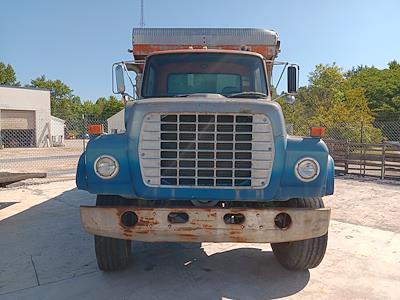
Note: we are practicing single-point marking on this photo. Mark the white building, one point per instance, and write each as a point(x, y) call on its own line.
point(57, 129)
point(25, 119)
point(116, 123)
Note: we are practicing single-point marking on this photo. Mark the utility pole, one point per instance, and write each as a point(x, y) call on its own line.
point(141, 14)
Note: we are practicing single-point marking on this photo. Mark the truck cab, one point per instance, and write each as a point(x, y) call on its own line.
point(205, 156)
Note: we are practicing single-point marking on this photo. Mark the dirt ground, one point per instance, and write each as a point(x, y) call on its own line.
point(46, 255)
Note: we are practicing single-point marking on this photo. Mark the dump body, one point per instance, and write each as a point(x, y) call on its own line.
point(146, 41)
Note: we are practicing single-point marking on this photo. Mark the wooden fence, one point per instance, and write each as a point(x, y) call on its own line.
point(380, 160)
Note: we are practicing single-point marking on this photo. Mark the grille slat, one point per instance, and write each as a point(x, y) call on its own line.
point(207, 150)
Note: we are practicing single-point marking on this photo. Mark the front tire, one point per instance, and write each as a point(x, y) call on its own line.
point(111, 254)
point(305, 254)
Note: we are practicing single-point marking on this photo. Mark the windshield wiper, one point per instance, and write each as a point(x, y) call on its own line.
point(196, 94)
point(248, 95)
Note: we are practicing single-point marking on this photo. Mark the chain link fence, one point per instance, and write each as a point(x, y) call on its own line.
point(359, 148)
point(51, 146)
point(358, 132)
point(54, 146)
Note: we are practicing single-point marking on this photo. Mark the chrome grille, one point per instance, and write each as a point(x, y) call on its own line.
point(206, 150)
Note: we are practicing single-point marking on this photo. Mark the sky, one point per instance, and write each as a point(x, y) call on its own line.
point(77, 41)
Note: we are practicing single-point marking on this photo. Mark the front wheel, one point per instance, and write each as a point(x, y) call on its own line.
point(111, 254)
point(305, 254)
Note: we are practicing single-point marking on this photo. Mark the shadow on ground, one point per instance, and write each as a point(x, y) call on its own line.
point(45, 254)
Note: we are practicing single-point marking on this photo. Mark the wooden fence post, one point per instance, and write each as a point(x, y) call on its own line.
point(383, 161)
point(364, 158)
point(346, 164)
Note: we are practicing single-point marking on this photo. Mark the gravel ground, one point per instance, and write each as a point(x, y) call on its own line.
point(367, 202)
point(49, 160)
point(46, 255)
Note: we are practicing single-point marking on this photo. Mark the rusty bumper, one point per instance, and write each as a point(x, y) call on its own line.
point(206, 224)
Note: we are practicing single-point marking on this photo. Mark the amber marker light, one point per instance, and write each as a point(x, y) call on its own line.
point(317, 132)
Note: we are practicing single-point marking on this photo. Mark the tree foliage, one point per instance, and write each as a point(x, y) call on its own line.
point(331, 101)
point(7, 75)
point(103, 108)
point(381, 87)
point(64, 104)
point(67, 106)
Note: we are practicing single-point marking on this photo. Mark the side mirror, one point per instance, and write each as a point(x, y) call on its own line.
point(119, 77)
point(292, 79)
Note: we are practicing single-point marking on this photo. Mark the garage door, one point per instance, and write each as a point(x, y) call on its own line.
point(17, 128)
point(17, 119)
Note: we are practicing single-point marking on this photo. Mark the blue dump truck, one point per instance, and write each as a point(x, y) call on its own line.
point(205, 156)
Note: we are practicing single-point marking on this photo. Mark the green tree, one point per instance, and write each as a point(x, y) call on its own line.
point(64, 104)
point(58, 89)
point(103, 108)
point(330, 101)
point(382, 88)
point(111, 107)
point(7, 75)
point(89, 108)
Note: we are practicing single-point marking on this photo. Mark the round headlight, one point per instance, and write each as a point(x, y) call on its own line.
point(106, 167)
point(307, 169)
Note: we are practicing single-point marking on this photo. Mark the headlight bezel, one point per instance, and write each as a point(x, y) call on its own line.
point(116, 171)
point(307, 159)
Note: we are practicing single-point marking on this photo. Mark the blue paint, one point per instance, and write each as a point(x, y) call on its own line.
point(283, 183)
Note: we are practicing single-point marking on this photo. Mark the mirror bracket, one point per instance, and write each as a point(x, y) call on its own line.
point(290, 98)
point(125, 67)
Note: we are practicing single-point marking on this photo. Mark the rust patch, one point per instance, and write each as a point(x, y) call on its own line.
point(146, 221)
point(128, 233)
point(142, 231)
point(233, 232)
point(280, 209)
point(188, 236)
point(208, 226)
point(239, 239)
point(121, 210)
point(186, 228)
point(126, 230)
point(237, 236)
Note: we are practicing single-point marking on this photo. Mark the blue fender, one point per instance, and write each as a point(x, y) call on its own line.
point(81, 177)
point(330, 179)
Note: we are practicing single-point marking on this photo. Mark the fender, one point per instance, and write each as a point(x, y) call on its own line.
point(330, 179)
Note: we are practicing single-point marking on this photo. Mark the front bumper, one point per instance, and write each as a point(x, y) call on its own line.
point(206, 224)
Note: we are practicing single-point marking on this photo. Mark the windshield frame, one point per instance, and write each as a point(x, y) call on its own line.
point(146, 72)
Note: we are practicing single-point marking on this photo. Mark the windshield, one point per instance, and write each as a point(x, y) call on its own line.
point(181, 74)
